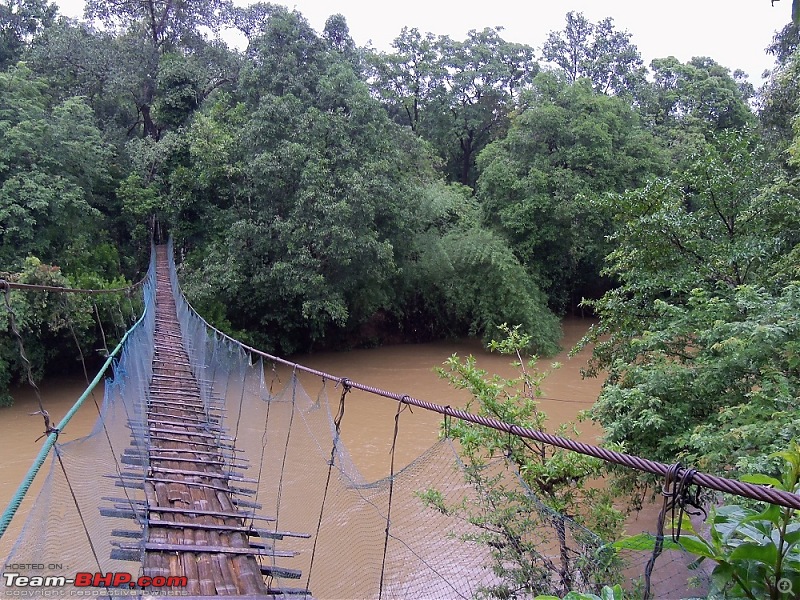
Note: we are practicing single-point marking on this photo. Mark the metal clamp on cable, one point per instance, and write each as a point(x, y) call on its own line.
point(48, 428)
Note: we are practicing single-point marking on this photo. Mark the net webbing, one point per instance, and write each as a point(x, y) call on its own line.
point(287, 437)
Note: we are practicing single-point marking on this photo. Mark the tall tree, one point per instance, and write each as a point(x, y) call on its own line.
point(455, 94)
point(409, 79)
point(597, 52)
point(485, 74)
point(700, 339)
point(311, 183)
point(567, 146)
point(53, 162)
point(143, 33)
point(169, 24)
point(779, 99)
point(20, 21)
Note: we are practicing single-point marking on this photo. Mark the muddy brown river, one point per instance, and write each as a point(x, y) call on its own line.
point(368, 423)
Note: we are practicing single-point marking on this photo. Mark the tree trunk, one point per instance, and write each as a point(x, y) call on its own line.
point(150, 129)
point(466, 158)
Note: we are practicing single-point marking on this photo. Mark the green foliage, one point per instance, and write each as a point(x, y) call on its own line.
point(699, 340)
point(462, 278)
point(38, 317)
point(779, 97)
point(524, 527)
point(597, 52)
point(756, 549)
point(53, 162)
point(607, 593)
point(302, 179)
point(166, 24)
point(688, 103)
point(567, 146)
point(456, 95)
point(20, 22)
point(306, 183)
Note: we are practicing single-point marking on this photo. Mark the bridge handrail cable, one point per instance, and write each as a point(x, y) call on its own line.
point(720, 484)
point(51, 438)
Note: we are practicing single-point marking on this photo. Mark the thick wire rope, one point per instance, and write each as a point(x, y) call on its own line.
point(337, 423)
point(720, 484)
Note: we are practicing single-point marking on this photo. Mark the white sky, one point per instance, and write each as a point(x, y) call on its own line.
point(732, 32)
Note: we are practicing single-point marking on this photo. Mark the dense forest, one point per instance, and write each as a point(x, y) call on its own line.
point(322, 194)
point(325, 195)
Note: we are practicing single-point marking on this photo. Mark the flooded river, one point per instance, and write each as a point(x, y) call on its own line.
point(368, 423)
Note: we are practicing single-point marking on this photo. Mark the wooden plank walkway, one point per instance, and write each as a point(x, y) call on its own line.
point(195, 526)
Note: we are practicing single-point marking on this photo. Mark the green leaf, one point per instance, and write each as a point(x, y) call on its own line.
point(614, 593)
point(696, 546)
point(762, 480)
point(644, 541)
point(766, 554)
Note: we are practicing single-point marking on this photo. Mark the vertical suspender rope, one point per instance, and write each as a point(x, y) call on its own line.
point(286, 449)
point(400, 408)
point(264, 441)
point(337, 422)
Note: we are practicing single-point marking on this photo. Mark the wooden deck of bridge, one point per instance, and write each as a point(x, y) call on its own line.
point(194, 490)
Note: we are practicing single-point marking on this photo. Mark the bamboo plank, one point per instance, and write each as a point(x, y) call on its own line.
point(201, 461)
point(197, 548)
point(208, 474)
point(212, 513)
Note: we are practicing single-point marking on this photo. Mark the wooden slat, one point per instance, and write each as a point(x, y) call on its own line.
point(164, 547)
point(185, 415)
point(161, 438)
point(205, 426)
point(275, 571)
point(220, 514)
point(191, 434)
point(211, 463)
point(125, 533)
point(278, 535)
point(210, 486)
point(208, 474)
point(219, 453)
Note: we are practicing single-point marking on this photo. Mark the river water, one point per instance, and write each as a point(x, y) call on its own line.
point(409, 369)
point(369, 420)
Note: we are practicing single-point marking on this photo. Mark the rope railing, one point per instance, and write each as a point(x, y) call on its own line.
point(31, 287)
point(52, 435)
point(713, 482)
point(11, 510)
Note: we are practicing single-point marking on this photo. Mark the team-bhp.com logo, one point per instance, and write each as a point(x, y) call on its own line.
point(93, 580)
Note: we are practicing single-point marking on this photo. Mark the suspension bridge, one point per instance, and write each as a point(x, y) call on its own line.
point(209, 476)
